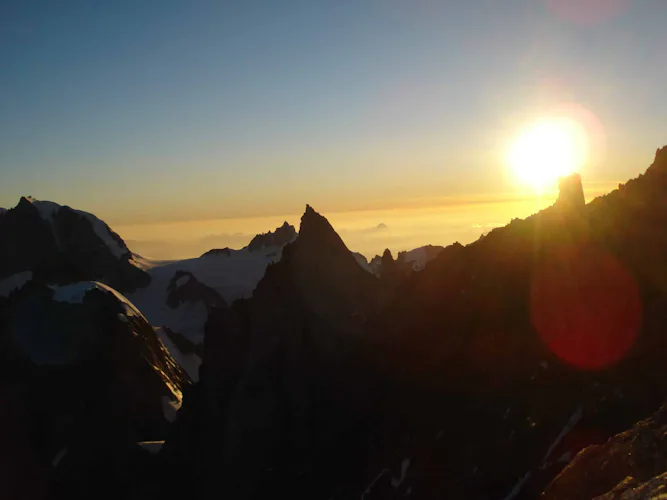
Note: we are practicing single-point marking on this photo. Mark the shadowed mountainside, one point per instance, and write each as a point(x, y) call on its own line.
point(533, 342)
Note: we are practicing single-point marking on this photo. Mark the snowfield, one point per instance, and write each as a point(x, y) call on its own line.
point(14, 282)
point(233, 276)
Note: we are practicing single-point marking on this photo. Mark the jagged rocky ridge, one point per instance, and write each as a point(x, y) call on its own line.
point(458, 382)
point(631, 465)
point(468, 379)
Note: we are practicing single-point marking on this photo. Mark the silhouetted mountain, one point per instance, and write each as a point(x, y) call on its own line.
point(479, 377)
point(62, 245)
point(281, 383)
point(473, 371)
point(280, 237)
point(83, 379)
point(571, 196)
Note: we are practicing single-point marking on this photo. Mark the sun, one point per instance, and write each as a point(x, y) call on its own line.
point(545, 151)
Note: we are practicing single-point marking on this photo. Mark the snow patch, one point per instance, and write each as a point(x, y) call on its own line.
point(59, 456)
point(72, 294)
point(572, 421)
point(189, 362)
point(182, 280)
point(417, 257)
point(517, 487)
point(369, 488)
point(152, 447)
point(104, 233)
point(170, 408)
point(396, 482)
point(14, 282)
point(76, 292)
point(48, 210)
point(233, 277)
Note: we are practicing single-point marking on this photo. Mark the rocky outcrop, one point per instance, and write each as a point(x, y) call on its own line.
point(185, 287)
point(280, 237)
point(406, 261)
point(224, 252)
point(630, 489)
point(571, 195)
point(618, 468)
point(62, 245)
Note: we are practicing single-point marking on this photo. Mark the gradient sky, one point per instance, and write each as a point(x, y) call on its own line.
point(160, 111)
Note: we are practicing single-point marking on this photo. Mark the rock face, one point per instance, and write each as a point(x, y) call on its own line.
point(273, 406)
point(226, 252)
point(184, 287)
point(83, 378)
point(622, 468)
point(478, 377)
point(280, 237)
point(406, 262)
point(571, 195)
point(61, 245)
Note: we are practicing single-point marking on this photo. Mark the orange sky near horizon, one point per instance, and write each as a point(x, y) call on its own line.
point(366, 231)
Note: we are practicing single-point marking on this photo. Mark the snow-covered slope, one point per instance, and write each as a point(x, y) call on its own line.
point(49, 209)
point(233, 274)
point(419, 257)
point(411, 260)
point(59, 244)
point(14, 282)
point(189, 361)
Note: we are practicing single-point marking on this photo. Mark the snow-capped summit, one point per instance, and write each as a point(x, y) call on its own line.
point(49, 210)
point(59, 244)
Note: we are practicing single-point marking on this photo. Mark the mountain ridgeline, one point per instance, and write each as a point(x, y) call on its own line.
point(295, 368)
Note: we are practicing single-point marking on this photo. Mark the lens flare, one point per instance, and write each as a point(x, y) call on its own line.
point(587, 12)
point(547, 150)
point(585, 306)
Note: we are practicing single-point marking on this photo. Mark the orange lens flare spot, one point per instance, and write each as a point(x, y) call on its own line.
point(585, 306)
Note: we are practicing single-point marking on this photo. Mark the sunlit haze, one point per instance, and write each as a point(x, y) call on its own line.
point(430, 120)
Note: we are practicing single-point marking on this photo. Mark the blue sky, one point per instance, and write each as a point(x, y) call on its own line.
point(166, 110)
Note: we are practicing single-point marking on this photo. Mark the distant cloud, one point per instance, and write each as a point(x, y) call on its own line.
point(376, 229)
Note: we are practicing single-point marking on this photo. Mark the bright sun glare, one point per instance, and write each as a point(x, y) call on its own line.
point(547, 150)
